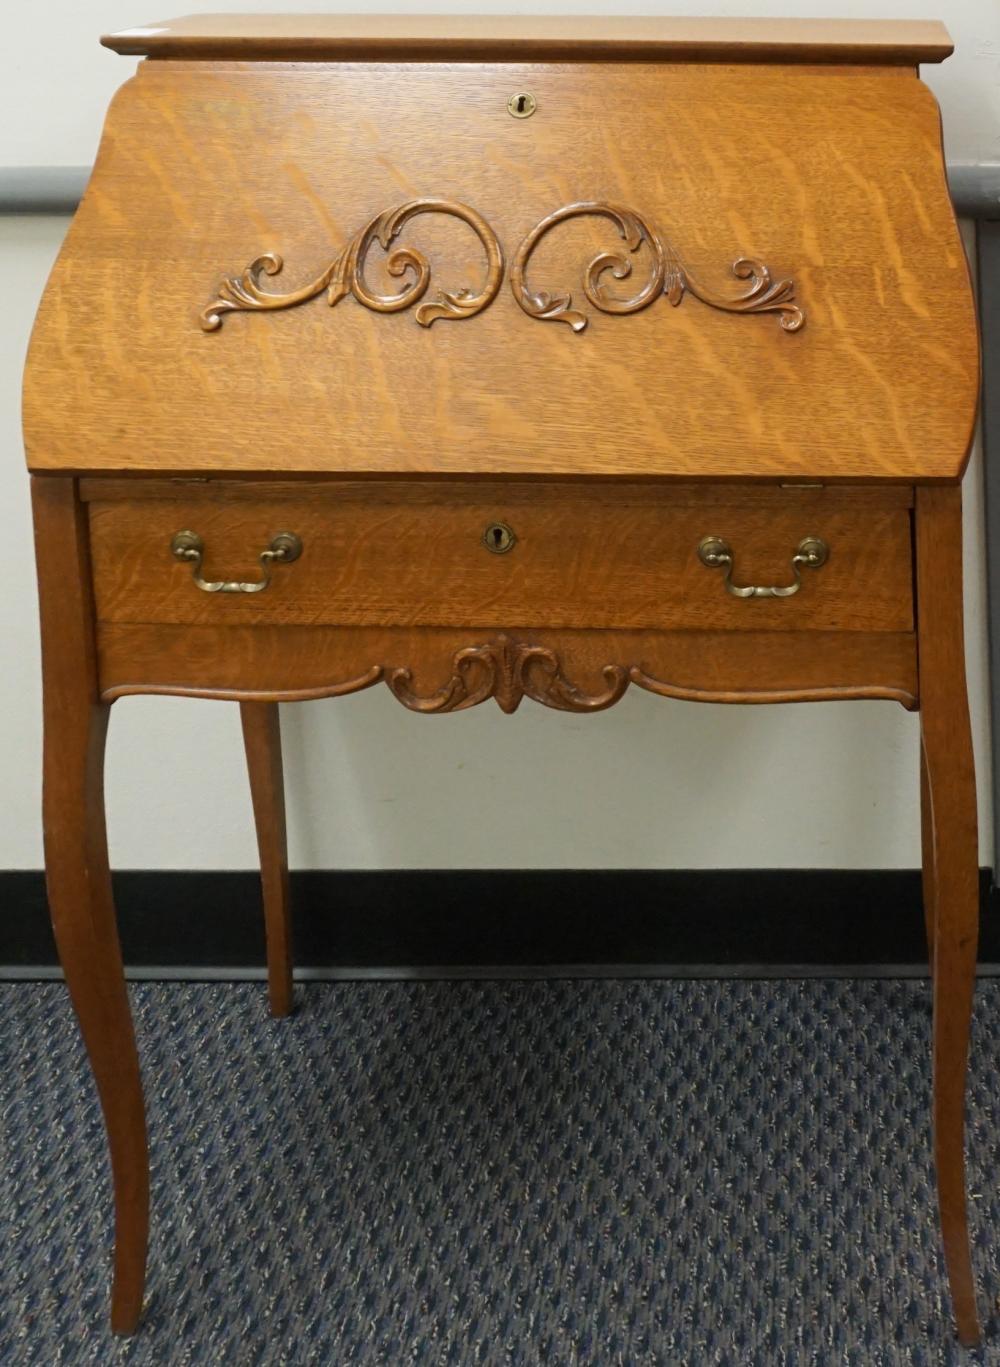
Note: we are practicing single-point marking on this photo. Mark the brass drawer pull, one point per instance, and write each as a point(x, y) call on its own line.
point(282, 550)
point(718, 554)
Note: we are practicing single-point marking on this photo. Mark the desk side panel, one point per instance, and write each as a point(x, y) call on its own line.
point(830, 176)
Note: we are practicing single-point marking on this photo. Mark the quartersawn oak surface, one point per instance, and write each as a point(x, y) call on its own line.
point(831, 175)
point(543, 37)
point(295, 663)
point(575, 563)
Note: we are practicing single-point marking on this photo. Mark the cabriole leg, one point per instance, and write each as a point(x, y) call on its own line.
point(951, 842)
point(77, 873)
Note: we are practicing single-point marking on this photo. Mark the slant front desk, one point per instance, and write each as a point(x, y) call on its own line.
point(490, 359)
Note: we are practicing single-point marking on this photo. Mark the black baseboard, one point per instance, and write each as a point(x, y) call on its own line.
point(414, 922)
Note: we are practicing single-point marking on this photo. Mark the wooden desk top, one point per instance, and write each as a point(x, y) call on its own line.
point(489, 37)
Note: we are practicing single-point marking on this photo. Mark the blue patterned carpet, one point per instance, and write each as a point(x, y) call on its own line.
point(589, 1172)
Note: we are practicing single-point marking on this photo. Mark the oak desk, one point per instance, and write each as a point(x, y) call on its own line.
point(492, 358)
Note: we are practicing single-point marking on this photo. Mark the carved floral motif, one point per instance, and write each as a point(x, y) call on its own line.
point(345, 274)
point(667, 276)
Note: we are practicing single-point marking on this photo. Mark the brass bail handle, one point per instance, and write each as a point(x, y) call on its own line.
point(282, 549)
point(715, 553)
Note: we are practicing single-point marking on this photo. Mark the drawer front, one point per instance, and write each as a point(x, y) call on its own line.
point(596, 560)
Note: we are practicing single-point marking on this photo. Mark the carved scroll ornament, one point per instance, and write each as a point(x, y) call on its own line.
point(667, 275)
point(508, 671)
point(345, 273)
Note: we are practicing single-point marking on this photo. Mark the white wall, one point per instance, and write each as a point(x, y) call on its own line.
point(650, 783)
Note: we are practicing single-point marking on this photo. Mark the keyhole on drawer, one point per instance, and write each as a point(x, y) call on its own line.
point(522, 105)
point(499, 538)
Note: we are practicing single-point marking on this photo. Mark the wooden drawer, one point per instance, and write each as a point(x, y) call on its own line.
point(414, 555)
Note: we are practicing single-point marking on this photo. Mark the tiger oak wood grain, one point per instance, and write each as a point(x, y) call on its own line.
point(881, 382)
point(294, 663)
point(572, 566)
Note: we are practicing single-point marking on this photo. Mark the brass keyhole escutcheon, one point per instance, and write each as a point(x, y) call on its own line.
point(522, 104)
point(499, 538)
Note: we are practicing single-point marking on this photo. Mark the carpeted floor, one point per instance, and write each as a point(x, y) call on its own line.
point(588, 1172)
